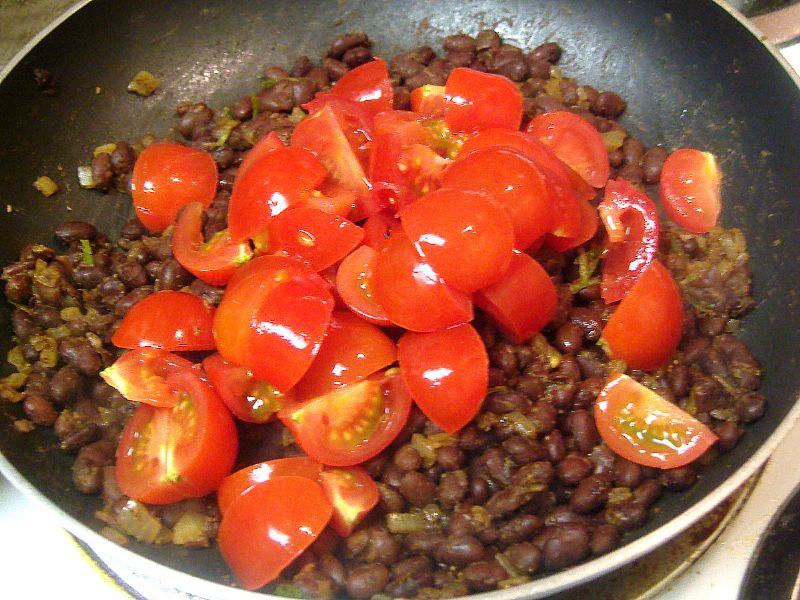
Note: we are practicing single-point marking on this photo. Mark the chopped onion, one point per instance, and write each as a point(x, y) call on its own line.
point(85, 177)
point(405, 522)
point(46, 186)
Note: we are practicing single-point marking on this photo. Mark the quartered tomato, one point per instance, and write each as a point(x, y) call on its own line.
point(690, 189)
point(355, 287)
point(317, 238)
point(175, 321)
point(447, 373)
point(522, 302)
point(476, 100)
point(646, 328)
point(576, 142)
point(272, 319)
point(236, 484)
point(379, 228)
point(213, 261)
point(352, 493)
point(369, 85)
point(465, 237)
point(141, 376)
point(589, 224)
point(333, 199)
point(279, 179)
point(351, 424)
point(413, 295)
point(271, 524)
point(428, 100)
point(262, 147)
point(644, 428)
point(353, 118)
point(246, 397)
point(168, 176)
point(169, 454)
point(631, 222)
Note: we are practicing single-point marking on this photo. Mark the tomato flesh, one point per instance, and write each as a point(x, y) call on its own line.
point(369, 85)
point(428, 100)
point(355, 287)
point(644, 428)
point(262, 147)
point(588, 229)
point(352, 493)
point(690, 189)
point(476, 100)
point(140, 375)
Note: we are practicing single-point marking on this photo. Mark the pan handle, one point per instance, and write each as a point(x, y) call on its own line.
point(781, 26)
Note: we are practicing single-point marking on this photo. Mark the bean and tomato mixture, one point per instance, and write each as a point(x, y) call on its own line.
point(432, 297)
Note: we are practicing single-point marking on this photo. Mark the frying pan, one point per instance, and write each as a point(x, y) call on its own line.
point(693, 75)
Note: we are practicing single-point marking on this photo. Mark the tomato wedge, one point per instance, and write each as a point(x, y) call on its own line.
point(262, 147)
point(246, 397)
point(576, 142)
point(646, 328)
point(466, 238)
point(351, 424)
point(447, 373)
point(355, 287)
point(644, 428)
point(236, 484)
point(369, 85)
point(631, 222)
point(522, 302)
point(266, 527)
point(175, 321)
point(168, 176)
point(213, 261)
point(352, 350)
point(353, 117)
point(379, 228)
point(272, 319)
point(412, 293)
point(169, 454)
point(476, 100)
point(589, 224)
point(428, 100)
point(353, 494)
point(140, 375)
point(690, 189)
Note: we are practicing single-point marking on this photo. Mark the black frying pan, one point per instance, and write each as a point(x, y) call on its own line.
point(693, 75)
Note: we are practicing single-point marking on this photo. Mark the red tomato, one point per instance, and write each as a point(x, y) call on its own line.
point(379, 228)
point(168, 176)
point(140, 375)
point(522, 302)
point(272, 319)
point(169, 454)
point(279, 179)
point(236, 484)
point(428, 100)
point(589, 225)
point(475, 101)
point(631, 222)
point(644, 428)
point(266, 528)
point(354, 284)
point(246, 397)
point(646, 328)
point(369, 85)
point(353, 494)
point(512, 181)
point(333, 199)
point(690, 189)
point(351, 424)
point(412, 293)
point(576, 142)
point(353, 117)
point(213, 261)
point(468, 240)
point(175, 321)
point(264, 146)
point(352, 350)
point(317, 238)
point(447, 373)
point(423, 168)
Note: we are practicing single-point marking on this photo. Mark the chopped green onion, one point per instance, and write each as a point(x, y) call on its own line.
point(86, 248)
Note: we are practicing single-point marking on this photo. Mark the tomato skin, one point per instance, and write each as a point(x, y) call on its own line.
point(168, 176)
point(353, 118)
point(589, 226)
point(279, 179)
point(646, 328)
point(355, 287)
point(369, 85)
point(379, 228)
point(690, 189)
point(352, 493)
point(447, 373)
point(317, 238)
point(262, 147)
point(236, 484)
point(266, 528)
point(428, 100)
point(272, 319)
point(467, 239)
point(631, 222)
point(197, 435)
point(413, 295)
point(522, 302)
point(475, 101)
point(170, 320)
point(140, 375)
point(647, 429)
point(373, 411)
point(576, 142)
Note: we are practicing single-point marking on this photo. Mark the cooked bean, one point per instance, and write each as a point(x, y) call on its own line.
point(406, 458)
point(573, 468)
point(73, 231)
point(647, 492)
point(605, 538)
point(505, 402)
point(390, 500)
point(417, 489)
point(449, 458)
point(357, 56)
point(652, 162)
point(452, 488)
point(122, 159)
point(608, 104)
point(423, 542)
point(626, 473)
point(590, 494)
point(459, 551)
point(172, 276)
point(364, 581)
point(569, 338)
point(483, 575)
point(525, 557)
point(507, 500)
point(80, 354)
point(728, 434)
point(87, 470)
point(344, 42)
point(567, 545)
point(65, 384)
point(534, 475)
point(195, 117)
point(39, 410)
point(487, 39)
point(627, 516)
point(581, 425)
point(633, 173)
point(549, 52)
point(554, 443)
point(132, 274)
point(102, 173)
point(334, 69)
point(679, 478)
point(18, 288)
point(750, 407)
point(633, 151)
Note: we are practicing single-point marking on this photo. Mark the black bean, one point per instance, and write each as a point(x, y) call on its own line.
point(556, 448)
point(647, 492)
point(488, 39)
point(632, 150)
point(519, 528)
point(39, 410)
point(615, 158)
point(626, 516)
point(86, 277)
point(750, 407)
point(449, 458)
point(405, 65)
point(65, 384)
point(506, 401)
point(573, 468)
point(102, 173)
point(46, 316)
point(652, 162)
point(509, 63)
point(478, 490)
point(302, 65)
point(335, 69)
point(507, 500)
point(525, 557)
point(459, 42)
point(80, 354)
point(417, 489)
point(357, 56)
point(679, 478)
point(122, 159)
point(549, 52)
point(589, 320)
point(605, 538)
point(633, 173)
point(524, 449)
point(344, 42)
point(545, 103)
point(194, 118)
point(242, 109)
point(581, 425)
point(459, 551)
point(278, 98)
point(482, 576)
point(172, 276)
point(452, 488)
point(18, 288)
point(87, 470)
point(728, 433)
point(132, 274)
point(390, 500)
point(569, 338)
point(626, 473)
point(535, 475)
point(410, 573)
point(567, 545)
point(74, 430)
point(319, 77)
point(406, 458)
point(133, 230)
point(608, 104)
point(590, 494)
point(73, 231)
point(364, 581)
point(423, 542)
point(460, 59)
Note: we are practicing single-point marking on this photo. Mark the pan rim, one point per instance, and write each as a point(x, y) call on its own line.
point(538, 588)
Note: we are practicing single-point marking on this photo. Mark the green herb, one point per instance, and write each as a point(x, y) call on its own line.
point(254, 102)
point(587, 263)
point(288, 590)
point(86, 248)
point(226, 112)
